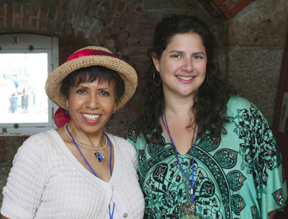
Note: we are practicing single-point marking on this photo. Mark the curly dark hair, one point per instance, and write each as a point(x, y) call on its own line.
point(211, 98)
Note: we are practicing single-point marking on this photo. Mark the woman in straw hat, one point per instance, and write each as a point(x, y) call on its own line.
point(78, 170)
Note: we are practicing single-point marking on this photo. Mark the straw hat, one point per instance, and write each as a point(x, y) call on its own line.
point(86, 57)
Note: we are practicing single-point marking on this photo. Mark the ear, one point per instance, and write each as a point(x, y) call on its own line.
point(114, 107)
point(156, 61)
point(67, 103)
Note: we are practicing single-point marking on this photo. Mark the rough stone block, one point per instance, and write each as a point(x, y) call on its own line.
point(260, 26)
point(237, 8)
point(253, 72)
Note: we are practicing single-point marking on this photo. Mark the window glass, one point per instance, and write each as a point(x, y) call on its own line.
point(22, 82)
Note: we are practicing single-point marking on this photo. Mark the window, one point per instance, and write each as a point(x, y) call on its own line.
point(25, 62)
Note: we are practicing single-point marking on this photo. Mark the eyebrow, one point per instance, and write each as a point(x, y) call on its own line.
point(178, 51)
point(85, 87)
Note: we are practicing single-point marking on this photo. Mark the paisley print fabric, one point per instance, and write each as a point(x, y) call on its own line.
point(236, 175)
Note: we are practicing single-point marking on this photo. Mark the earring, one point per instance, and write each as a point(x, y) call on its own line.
point(114, 114)
point(207, 77)
point(67, 111)
point(154, 75)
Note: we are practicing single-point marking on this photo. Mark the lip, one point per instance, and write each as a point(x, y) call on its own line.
point(91, 118)
point(185, 79)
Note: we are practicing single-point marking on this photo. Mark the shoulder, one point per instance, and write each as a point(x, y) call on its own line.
point(237, 101)
point(38, 144)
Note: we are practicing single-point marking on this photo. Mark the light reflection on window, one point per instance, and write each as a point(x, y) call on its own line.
point(22, 94)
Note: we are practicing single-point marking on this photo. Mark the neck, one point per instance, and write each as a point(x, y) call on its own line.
point(93, 140)
point(178, 106)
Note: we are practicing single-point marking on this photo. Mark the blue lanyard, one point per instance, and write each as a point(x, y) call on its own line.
point(85, 158)
point(110, 215)
point(191, 183)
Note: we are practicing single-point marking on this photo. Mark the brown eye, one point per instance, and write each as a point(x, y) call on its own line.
point(104, 93)
point(81, 91)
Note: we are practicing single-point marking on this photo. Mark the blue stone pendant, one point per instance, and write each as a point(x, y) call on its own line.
point(99, 156)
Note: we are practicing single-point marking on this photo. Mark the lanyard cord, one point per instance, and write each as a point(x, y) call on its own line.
point(191, 183)
point(111, 214)
point(85, 158)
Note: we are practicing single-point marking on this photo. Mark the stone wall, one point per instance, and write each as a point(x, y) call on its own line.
point(256, 42)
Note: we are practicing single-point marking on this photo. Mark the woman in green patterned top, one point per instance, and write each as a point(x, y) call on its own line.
point(203, 151)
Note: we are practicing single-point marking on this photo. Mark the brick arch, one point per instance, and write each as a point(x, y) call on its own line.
point(107, 23)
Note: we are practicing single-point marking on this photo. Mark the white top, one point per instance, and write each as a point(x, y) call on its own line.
point(47, 181)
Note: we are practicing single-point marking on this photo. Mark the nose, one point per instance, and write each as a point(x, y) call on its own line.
point(188, 65)
point(92, 101)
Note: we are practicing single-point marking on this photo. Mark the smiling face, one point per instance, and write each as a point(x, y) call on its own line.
point(182, 65)
point(91, 104)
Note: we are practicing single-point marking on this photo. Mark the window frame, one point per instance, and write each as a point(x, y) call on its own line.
point(40, 43)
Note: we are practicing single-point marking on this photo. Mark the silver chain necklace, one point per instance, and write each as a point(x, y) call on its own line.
point(95, 149)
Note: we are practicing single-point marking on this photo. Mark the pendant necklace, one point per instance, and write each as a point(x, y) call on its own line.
point(98, 155)
point(66, 127)
point(188, 208)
